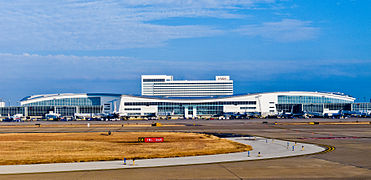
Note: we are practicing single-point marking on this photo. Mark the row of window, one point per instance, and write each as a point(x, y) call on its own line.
point(88, 101)
point(362, 107)
point(309, 100)
point(187, 93)
point(247, 107)
point(199, 86)
point(200, 83)
point(42, 110)
point(190, 91)
point(153, 80)
point(179, 110)
point(133, 114)
point(132, 109)
point(171, 89)
point(188, 104)
point(312, 107)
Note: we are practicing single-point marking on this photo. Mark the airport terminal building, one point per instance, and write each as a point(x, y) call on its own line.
point(164, 97)
point(126, 106)
point(68, 104)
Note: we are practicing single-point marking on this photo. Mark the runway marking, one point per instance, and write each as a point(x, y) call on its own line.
point(342, 137)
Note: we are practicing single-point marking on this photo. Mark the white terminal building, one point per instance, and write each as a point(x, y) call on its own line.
point(262, 103)
point(166, 86)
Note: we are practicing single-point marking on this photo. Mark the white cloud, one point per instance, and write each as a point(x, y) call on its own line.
point(286, 30)
point(65, 68)
point(107, 24)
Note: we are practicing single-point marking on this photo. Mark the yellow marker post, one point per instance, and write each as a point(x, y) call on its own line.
point(302, 148)
point(133, 162)
point(259, 154)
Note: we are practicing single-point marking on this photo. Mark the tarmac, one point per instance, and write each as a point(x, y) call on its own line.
point(263, 148)
point(350, 159)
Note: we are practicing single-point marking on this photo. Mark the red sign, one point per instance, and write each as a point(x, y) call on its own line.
point(151, 139)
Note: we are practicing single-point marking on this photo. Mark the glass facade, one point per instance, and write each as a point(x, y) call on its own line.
point(11, 111)
point(89, 101)
point(361, 107)
point(318, 108)
point(308, 100)
point(66, 110)
point(338, 106)
point(294, 108)
point(39, 110)
point(90, 109)
point(201, 109)
point(43, 110)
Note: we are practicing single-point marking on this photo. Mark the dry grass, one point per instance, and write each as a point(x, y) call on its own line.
point(31, 148)
point(85, 125)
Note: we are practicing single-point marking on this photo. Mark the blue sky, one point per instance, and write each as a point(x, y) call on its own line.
point(264, 45)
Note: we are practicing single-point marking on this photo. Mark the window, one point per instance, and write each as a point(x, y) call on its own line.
point(133, 114)
point(89, 101)
point(247, 107)
point(132, 109)
point(175, 103)
point(153, 80)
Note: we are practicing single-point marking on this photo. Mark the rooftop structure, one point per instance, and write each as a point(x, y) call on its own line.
point(165, 86)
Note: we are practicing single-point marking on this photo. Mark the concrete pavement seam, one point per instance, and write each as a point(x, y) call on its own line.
point(230, 171)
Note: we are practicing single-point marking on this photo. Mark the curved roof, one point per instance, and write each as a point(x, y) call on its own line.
point(298, 93)
point(332, 94)
point(40, 96)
